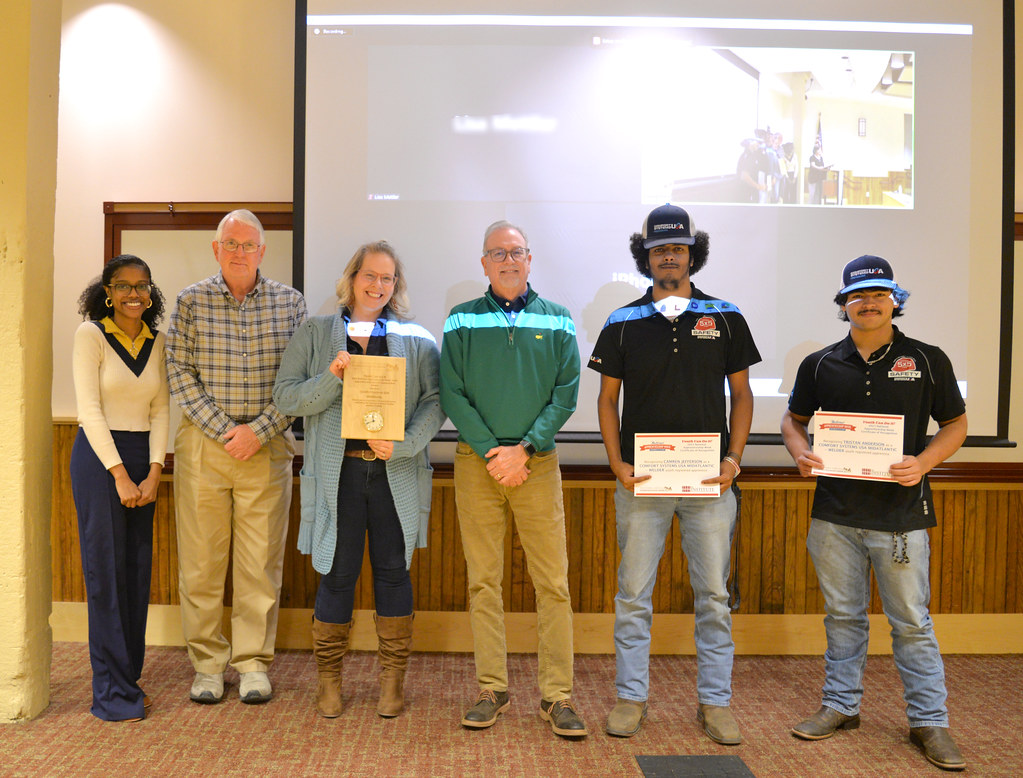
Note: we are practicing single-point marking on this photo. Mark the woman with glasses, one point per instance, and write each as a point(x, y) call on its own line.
point(354, 489)
point(116, 462)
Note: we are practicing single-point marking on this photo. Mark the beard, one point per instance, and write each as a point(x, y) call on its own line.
point(670, 284)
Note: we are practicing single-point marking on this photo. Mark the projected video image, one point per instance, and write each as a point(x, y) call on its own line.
point(583, 123)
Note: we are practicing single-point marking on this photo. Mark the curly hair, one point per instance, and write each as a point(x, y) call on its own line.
point(697, 253)
point(840, 300)
point(92, 304)
point(398, 304)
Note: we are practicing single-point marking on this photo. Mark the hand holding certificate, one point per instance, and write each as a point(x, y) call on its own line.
point(677, 463)
point(373, 398)
point(857, 445)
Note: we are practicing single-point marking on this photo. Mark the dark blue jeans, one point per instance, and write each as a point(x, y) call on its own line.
point(365, 508)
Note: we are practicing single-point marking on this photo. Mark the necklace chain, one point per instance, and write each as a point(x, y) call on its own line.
point(873, 361)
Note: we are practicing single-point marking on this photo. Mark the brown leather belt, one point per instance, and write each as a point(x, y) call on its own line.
point(366, 454)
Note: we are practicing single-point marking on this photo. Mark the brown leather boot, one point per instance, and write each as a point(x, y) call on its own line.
point(330, 644)
point(394, 635)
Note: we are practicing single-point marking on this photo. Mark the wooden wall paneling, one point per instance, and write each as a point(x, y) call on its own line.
point(595, 527)
point(937, 552)
point(976, 550)
point(1014, 556)
point(996, 505)
point(955, 511)
point(973, 555)
point(611, 556)
point(431, 557)
point(776, 579)
point(749, 554)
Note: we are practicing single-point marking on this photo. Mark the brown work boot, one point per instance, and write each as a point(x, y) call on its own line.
point(938, 747)
point(330, 644)
point(394, 637)
point(823, 724)
point(719, 724)
point(625, 718)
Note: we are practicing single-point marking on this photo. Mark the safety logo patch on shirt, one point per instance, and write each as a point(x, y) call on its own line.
point(706, 328)
point(904, 369)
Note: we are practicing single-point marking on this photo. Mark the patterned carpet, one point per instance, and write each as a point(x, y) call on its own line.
point(287, 738)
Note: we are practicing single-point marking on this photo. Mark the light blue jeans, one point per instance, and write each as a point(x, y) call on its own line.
point(843, 557)
point(706, 526)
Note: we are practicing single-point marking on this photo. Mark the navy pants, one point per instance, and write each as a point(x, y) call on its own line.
point(365, 507)
point(117, 559)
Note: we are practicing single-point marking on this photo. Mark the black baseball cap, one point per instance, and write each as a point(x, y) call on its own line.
point(668, 224)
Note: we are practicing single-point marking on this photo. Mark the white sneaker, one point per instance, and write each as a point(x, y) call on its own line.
point(255, 688)
point(207, 688)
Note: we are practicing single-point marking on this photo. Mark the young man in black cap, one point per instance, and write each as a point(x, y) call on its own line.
point(859, 524)
point(673, 349)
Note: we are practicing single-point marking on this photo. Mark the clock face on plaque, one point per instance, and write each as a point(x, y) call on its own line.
point(373, 421)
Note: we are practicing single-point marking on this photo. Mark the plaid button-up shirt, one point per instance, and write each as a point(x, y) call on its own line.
point(223, 356)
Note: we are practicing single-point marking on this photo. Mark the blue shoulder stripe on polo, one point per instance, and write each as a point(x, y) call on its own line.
point(648, 309)
point(408, 329)
point(630, 312)
point(712, 306)
point(545, 321)
point(475, 321)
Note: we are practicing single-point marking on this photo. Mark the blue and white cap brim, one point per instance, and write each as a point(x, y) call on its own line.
point(870, 283)
point(649, 244)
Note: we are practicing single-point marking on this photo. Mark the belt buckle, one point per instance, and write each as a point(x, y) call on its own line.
point(372, 455)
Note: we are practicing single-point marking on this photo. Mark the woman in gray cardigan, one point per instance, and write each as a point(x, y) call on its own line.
point(354, 489)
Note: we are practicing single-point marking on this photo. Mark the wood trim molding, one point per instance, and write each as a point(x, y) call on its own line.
point(118, 217)
point(754, 634)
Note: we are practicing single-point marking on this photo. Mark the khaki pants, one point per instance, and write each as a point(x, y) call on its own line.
point(217, 498)
point(484, 506)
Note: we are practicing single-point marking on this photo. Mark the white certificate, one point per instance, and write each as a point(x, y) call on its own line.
point(676, 463)
point(857, 445)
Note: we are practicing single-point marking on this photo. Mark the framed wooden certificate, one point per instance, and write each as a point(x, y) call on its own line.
point(373, 398)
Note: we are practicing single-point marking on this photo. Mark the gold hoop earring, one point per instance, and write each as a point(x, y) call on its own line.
point(150, 304)
point(109, 303)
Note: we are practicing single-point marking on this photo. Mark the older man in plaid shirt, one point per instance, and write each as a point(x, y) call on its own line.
point(232, 458)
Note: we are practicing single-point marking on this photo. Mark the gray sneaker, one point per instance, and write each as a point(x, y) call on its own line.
point(255, 688)
point(207, 688)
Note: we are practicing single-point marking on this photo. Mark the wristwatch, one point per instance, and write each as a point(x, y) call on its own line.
point(529, 447)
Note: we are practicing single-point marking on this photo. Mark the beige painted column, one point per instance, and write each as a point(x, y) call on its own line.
point(29, 61)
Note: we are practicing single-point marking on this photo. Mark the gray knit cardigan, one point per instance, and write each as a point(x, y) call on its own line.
point(305, 387)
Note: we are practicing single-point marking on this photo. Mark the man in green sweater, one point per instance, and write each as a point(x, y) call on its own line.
point(509, 380)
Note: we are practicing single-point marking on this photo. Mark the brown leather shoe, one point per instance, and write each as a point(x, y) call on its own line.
point(938, 747)
point(564, 720)
point(823, 724)
point(489, 705)
point(625, 718)
point(719, 724)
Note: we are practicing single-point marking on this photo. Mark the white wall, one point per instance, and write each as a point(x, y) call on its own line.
point(163, 101)
point(190, 100)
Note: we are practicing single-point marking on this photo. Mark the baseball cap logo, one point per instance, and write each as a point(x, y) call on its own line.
point(705, 323)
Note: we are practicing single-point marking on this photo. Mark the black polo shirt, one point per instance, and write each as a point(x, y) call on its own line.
point(910, 378)
point(673, 372)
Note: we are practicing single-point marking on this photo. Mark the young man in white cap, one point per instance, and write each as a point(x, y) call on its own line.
point(672, 350)
point(862, 524)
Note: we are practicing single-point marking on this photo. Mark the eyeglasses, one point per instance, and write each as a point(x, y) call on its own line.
point(372, 278)
point(142, 287)
point(249, 247)
point(660, 251)
point(499, 255)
